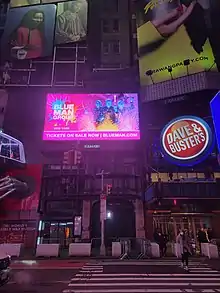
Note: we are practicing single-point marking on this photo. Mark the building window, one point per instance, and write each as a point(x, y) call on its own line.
point(116, 47)
point(105, 48)
point(110, 26)
point(115, 25)
point(111, 47)
point(106, 28)
point(110, 6)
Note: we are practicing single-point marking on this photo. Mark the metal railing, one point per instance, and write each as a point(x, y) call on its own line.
point(125, 248)
point(145, 249)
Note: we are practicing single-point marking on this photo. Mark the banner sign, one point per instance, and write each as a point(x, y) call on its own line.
point(186, 140)
point(172, 42)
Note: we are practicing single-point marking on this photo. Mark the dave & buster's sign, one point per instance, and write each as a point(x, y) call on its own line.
point(186, 140)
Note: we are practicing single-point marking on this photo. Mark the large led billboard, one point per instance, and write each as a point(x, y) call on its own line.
point(173, 39)
point(91, 117)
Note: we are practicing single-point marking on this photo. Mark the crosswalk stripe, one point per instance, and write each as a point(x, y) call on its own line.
point(143, 263)
point(92, 271)
point(143, 284)
point(146, 278)
point(199, 271)
point(139, 290)
point(124, 291)
point(151, 275)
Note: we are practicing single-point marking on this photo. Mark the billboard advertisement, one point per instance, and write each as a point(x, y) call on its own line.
point(20, 3)
point(71, 21)
point(29, 32)
point(25, 202)
point(173, 39)
point(186, 140)
point(18, 217)
point(91, 117)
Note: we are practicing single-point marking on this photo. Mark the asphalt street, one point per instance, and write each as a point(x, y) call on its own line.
point(38, 281)
point(128, 276)
point(40, 276)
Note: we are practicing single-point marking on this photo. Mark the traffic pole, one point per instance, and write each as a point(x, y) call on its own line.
point(102, 215)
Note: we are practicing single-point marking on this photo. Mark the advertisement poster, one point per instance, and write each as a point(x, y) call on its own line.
point(18, 232)
point(20, 3)
point(29, 32)
point(173, 39)
point(91, 117)
point(186, 140)
point(71, 21)
point(28, 201)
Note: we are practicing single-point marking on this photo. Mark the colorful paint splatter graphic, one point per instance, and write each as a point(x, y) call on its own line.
point(91, 117)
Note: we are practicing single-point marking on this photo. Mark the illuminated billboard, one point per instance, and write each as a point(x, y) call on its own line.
point(91, 117)
point(215, 108)
point(186, 140)
point(71, 21)
point(172, 39)
point(29, 32)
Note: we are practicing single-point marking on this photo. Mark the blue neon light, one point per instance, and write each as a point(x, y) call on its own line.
point(215, 108)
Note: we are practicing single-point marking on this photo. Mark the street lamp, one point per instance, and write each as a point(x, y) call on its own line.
point(109, 215)
point(102, 211)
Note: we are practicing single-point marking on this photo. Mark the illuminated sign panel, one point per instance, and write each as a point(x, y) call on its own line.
point(91, 117)
point(186, 140)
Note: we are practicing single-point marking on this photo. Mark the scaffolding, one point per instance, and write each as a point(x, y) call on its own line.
point(66, 67)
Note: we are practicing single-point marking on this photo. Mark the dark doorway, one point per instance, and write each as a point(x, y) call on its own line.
point(120, 221)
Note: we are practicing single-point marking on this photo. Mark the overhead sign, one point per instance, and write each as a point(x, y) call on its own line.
point(186, 140)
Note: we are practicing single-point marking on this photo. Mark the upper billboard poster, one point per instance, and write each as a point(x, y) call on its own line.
point(20, 3)
point(91, 117)
point(29, 32)
point(71, 21)
point(173, 39)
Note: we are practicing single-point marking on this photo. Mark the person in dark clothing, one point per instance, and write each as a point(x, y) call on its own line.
point(185, 242)
point(202, 237)
point(161, 241)
point(210, 234)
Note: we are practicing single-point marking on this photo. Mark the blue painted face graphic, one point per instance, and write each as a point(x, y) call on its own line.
point(121, 105)
point(108, 103)
point(98, 104)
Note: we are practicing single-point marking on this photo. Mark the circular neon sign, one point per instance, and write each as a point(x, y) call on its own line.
point(186, 140)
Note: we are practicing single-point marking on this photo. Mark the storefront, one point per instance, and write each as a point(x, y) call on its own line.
point(63, 232)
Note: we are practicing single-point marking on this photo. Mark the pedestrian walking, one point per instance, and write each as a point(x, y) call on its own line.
point(202, 238)
point(159, 238)
point(185, 242)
